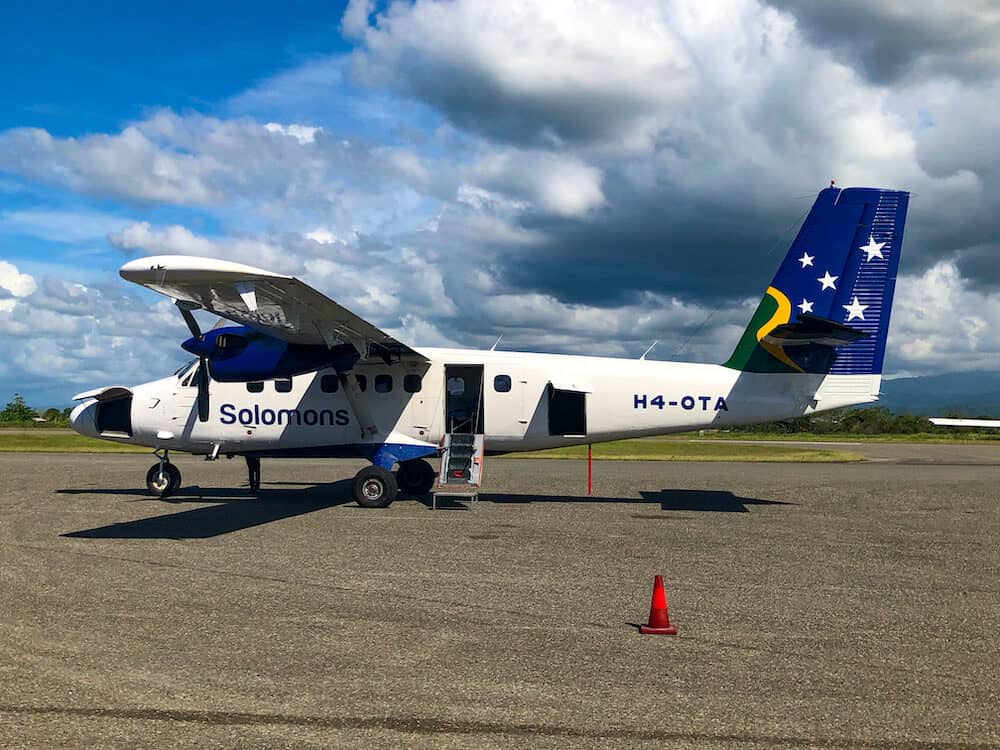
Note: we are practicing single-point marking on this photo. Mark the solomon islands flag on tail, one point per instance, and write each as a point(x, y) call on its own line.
point(827, 309)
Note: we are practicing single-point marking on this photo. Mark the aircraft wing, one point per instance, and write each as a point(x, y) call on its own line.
point(276, 305)
point(942, 422)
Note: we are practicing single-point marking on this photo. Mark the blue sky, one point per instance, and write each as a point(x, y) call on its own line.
point(92, 67)
point(584, 178)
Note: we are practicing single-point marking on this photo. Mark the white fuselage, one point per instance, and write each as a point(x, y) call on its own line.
point(623, 398)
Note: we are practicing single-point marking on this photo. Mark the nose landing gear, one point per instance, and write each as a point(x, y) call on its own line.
point(163, 478)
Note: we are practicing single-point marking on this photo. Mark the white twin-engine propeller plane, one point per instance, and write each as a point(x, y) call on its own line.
point(300, 376)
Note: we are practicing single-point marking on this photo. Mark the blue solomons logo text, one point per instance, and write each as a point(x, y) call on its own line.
point(230, 414)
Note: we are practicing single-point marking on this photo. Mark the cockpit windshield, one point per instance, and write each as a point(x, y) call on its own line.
point(189, 365)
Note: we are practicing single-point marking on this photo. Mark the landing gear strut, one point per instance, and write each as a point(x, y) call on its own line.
point(375, 487)
point(253, 472)
point(163, 478)
point(416, 476)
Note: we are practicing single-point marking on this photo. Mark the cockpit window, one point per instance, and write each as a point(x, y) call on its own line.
point(189, 378)
point(184, 367)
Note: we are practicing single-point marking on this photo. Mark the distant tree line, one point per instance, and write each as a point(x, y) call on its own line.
point(17, 413)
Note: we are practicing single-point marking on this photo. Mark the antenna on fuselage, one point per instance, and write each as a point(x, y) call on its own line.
point(649, 349)
point(494, 347)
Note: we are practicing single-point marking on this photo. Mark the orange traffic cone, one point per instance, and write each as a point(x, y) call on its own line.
point(659, 619)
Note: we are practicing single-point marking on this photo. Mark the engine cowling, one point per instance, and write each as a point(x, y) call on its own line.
point(238, 354)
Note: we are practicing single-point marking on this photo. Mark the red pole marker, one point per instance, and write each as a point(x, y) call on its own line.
point(659, 619)
point(590, 469)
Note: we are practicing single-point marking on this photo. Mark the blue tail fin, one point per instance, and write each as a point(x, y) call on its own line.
point(827, 309)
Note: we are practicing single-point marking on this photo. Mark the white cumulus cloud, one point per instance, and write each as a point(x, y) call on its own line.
point(15, 284)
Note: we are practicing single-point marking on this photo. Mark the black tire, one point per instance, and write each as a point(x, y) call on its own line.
point(166, 484)
point(375, 487)
point(415, 476)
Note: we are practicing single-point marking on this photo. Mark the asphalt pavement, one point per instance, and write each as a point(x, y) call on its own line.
point(819, 605)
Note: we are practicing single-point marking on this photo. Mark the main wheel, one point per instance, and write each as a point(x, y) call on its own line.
point(374, 487)
point(415, 476)
point(163, 483)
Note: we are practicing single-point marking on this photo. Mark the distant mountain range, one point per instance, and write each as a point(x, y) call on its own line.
point(967, 394)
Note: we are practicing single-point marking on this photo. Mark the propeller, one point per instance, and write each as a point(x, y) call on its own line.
point(202, 377)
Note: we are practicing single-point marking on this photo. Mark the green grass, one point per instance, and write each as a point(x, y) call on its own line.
point(672, 449)
point(847, 437)
point(52, 441)
point(647, 449)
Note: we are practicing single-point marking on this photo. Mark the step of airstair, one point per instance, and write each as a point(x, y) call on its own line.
point(461, 467)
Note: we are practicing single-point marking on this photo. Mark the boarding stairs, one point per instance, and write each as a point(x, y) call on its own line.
point(461, 467)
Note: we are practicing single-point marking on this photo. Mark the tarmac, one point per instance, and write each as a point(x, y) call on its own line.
point(819, 605)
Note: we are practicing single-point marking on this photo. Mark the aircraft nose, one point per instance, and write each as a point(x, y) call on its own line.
point(83, 418)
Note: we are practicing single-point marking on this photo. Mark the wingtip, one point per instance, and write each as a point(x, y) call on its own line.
point(150, 268)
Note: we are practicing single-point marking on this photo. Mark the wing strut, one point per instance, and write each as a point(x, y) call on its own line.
point(358, 405)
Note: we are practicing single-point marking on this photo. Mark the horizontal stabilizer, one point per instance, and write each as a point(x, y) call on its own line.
point(812, 329)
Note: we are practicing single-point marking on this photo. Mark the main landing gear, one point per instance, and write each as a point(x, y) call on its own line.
point(415, 476)
point(376, 487)
point(163, 478)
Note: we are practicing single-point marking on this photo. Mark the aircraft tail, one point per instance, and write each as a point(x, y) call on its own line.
point(827, 309)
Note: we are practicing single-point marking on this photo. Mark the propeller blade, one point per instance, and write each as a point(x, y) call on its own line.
point(203, 405)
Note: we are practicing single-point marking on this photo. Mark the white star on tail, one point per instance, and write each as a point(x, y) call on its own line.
point(827, 281)
point(855, 310)
point(806, 306)
point(806, 259)
point(873, 248)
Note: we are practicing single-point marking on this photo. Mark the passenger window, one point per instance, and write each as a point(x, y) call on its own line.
point(412, 383)
point(501, 383)
point(329, 384)
point(383, 383)
point(362, 382)
point(283, 386)
point(255, 386)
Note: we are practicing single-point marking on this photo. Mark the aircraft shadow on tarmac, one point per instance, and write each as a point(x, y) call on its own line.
point(717, 501)
point(233, 510)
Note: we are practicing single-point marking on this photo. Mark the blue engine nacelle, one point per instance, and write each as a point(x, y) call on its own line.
point(237, 354)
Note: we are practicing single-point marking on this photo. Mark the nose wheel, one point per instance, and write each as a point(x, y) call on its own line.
point(163, 478)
